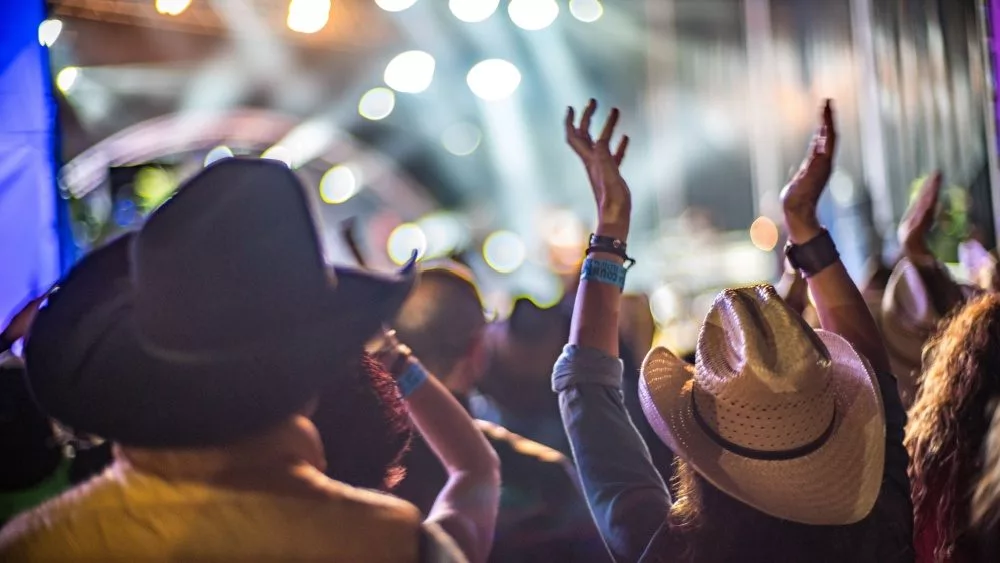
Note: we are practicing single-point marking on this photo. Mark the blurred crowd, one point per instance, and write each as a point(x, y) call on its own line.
point(207, 387)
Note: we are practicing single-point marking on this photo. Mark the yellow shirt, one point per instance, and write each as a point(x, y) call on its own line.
point(204, 509)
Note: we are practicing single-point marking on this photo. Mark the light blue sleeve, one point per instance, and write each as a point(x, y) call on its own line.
point(626, 494)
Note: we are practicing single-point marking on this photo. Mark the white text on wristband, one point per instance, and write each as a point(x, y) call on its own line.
point(603, 271)
point(413, 377)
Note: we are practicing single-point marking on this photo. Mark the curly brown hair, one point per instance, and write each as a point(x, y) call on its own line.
point(949, 421)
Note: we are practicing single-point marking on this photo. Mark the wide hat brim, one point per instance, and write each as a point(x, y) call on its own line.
point(90, 368)
point(837, 484)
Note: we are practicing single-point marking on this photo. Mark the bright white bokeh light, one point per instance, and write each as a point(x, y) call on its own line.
point(533, 15)
point(279, 153)
point(493, 79)
point(545, 290)
point(504, 251)
point(394, 5)
point(218, 153)
point(377, 103)
point(586, 11)
point(67, 78)
point(338, 185)
point(48, 32)
point(445, 234)
point(664, 305)
point(461, 139)
point(308, 16)
point(403, 240)
point(172, 7)
point(473, 11)
point(411, 72)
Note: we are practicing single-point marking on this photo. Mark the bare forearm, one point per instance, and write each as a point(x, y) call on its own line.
point(839, 304)
point(450, 431)
point(467, 505)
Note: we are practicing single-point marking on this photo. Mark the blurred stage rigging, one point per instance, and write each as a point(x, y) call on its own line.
point(435, 124)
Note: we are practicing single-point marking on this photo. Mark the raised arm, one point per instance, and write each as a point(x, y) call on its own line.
point(626, 494)
point(839, 303)
point(466, 507)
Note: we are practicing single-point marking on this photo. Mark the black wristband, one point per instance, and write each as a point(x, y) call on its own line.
point(814, 255)
point(599, 243)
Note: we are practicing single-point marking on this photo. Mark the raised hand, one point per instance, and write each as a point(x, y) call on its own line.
point(919, 219)
point(800, 197)
point(611, 193)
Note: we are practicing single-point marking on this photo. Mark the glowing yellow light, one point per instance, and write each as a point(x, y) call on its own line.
point(218, 153)
point(493, 79)
point(445, 234)
point(403, 240)
point(67, 78)
point(472, 11)
point(279, 153)
point(394, 5)
point(377, 103)
point(504, 251)
point(48, 32)
point(586, 11)
point(533, 15)
point(338, 185)
point(172, 7)
point(764, 234)
point(308, 16)
point(546, 291)
point(664, 305)
point(411, 72)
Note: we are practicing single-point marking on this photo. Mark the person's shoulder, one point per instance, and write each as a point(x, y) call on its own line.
point(374, 504)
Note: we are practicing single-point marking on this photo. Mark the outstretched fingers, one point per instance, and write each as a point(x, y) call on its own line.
point(622, 147)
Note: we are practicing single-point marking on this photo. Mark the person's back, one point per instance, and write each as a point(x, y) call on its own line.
point(543, 516)
point(131, 515)
point(215, 457)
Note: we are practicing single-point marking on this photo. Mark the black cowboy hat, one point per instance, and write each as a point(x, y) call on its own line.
point(217, 319)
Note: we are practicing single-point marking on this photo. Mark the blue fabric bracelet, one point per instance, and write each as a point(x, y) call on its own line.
point(603, 271)
point(413, 377)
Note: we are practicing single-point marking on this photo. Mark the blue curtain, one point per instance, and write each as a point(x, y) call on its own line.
point(29, 225)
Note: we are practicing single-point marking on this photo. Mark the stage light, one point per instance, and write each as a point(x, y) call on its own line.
point(411, 72)
point(445, 234)
point(279, 153)
point(377, 103)
point(586, 11)
point(533, 15)
point(546, 290)
point(308, 16)
point(48, 32)
point(664, 305)
point(338, 185)
point(504, 251)
point(67, 78)
point(218, 153)
point(403, 240)
point(764, 234)
point(461, 139)
point(394, 5)
point(473, 11)
point(172, 7)
point(493, 79)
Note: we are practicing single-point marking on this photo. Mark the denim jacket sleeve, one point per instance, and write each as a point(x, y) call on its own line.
point(626, 494)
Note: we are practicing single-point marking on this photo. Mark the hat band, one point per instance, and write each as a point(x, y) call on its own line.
point(764, 455)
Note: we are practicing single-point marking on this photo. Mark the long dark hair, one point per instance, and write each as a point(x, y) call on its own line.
point(708, 525)
point(364, 426)
point(950, 419)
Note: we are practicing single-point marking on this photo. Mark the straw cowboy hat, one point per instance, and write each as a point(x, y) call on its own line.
point(217, 319)
point(786, 420)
